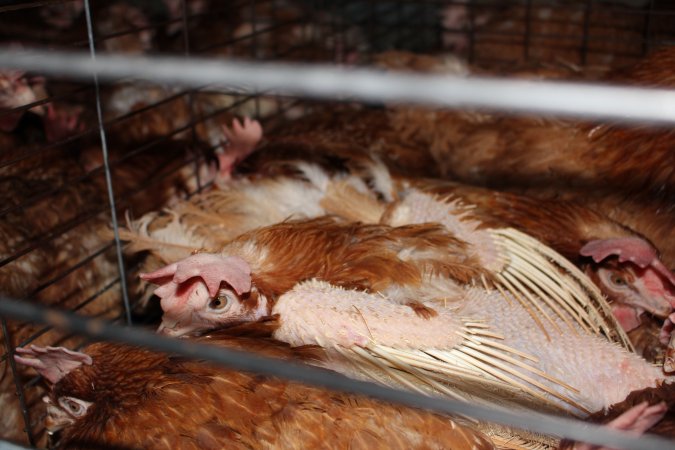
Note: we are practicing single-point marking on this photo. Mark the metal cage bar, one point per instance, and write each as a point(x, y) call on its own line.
point(398, 32)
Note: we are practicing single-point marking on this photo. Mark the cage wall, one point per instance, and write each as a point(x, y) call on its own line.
point(81, 160)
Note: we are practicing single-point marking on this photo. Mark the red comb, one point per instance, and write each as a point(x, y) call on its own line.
point(53, 363)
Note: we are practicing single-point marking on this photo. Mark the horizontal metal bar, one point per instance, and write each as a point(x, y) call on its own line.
point(628, 104)
point(536, 422)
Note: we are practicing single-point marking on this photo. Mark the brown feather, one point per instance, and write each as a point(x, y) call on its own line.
point(351, 255)
point(150, 400)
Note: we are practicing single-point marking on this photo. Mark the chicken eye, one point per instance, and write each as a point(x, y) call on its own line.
point(617, 280)
point(75, 408)
point(221, 302)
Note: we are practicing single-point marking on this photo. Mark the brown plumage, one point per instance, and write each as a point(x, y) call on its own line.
point(611, 167)
point(652, 216)
point(255, 269)
point(565, 226)
point(41, 224)
point(142, 399)
point(343, 138)
point(351, 254)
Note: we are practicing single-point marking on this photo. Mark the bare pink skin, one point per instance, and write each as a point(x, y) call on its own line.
point(653, 289)
point(636, 420)
point(315, 312)
point(53, 363)
point(627, 316)
point(242, 140)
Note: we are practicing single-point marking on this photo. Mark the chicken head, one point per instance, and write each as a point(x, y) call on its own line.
point(637, 279)
point(54, 363)
point(203, 291)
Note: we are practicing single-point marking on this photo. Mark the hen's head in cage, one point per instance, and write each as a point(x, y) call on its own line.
point(54, 364)
point(205, 291)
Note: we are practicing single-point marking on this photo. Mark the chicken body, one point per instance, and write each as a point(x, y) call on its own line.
point(135, 398)
point(595, 373)
point(267, 262)
point(352, 324)
point(567, 227)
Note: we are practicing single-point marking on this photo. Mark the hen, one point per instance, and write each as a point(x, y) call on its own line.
point(264, 263)
point(111, 396)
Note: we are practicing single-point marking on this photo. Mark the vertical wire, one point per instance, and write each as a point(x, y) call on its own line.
point(17, 382)
point(191, 95)
point(108, 176)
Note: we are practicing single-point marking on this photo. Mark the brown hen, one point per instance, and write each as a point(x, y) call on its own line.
point(128, 397)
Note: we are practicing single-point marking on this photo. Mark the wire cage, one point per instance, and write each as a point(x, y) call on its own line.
point(80, 158)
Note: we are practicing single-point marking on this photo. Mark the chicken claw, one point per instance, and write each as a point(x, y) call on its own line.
point(636, 420)
point(242, 140)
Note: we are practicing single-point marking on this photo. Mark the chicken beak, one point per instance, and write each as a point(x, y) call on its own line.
point(173, 328)
point(656, 305)
point(57, 419)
